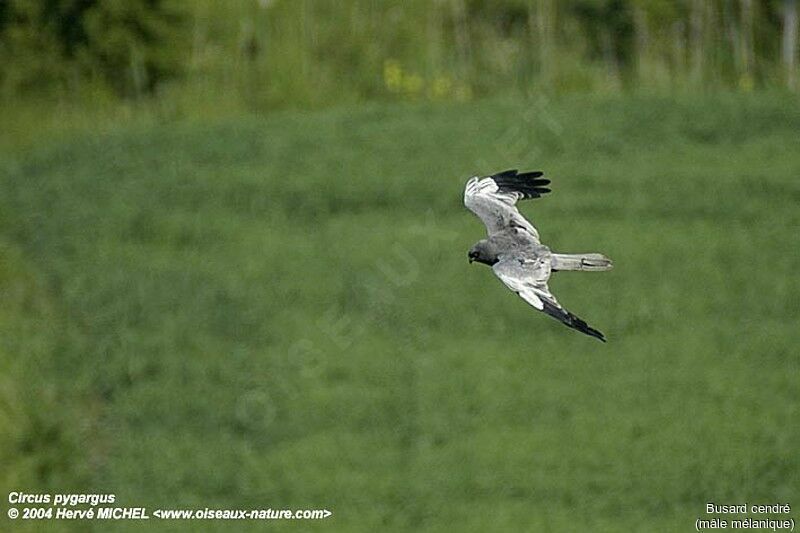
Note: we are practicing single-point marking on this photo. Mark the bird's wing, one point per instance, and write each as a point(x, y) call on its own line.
point(494, 199)
point(528, 278)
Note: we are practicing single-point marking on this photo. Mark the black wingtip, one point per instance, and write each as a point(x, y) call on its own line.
point(596, 334)
point(583, 327)
point(572, 321)
point(579, 324)
point(505, 173)
point(526, 183)
point(532, 174)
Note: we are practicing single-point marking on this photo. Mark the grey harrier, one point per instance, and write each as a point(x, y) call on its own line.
point(513, 249)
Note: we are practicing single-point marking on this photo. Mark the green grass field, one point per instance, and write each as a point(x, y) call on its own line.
point(278, 312)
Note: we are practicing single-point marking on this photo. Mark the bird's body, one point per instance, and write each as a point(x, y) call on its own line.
point(513, 248)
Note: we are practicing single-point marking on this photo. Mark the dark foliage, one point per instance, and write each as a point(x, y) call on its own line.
point(129, 46)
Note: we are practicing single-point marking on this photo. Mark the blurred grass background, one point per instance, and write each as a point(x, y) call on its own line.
point(233, 270)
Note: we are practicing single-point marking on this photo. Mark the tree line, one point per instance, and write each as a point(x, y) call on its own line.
point(279, 52)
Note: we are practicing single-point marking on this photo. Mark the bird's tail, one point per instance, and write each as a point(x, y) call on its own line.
point(586, 262)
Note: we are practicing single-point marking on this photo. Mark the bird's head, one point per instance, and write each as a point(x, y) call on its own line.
point(482, 252)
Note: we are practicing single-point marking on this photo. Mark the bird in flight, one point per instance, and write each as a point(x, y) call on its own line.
point(513, 249)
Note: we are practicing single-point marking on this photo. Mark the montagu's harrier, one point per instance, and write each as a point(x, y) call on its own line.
point(513, 249)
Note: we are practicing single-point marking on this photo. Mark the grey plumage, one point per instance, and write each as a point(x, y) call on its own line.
point(513, 248)
point(586, 262)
